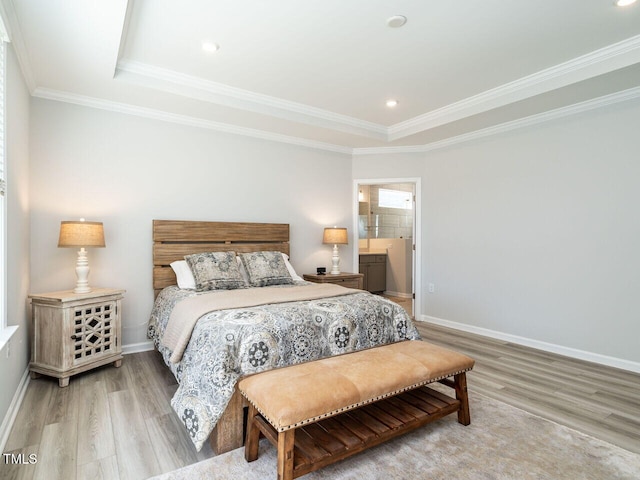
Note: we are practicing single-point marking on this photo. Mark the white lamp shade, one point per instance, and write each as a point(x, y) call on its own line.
point(335, 236)
point(81, 234)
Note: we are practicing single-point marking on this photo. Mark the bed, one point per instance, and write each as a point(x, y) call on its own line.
point(222, 330)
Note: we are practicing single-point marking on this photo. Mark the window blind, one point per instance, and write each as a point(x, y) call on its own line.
point(5, 331)
point(2, 117)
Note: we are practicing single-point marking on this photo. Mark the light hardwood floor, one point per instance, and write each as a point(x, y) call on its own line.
point(117, 423)
point(601, 401)
point(109, 423)
point(405, 303)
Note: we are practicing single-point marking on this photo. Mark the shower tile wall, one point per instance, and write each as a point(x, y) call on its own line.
point(391, 222)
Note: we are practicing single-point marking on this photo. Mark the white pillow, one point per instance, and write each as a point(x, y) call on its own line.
point(292, 272)
point(243, 271)
point(183, 275)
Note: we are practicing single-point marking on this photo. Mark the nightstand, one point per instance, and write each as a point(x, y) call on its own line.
point(349, 280)
point(74, 332)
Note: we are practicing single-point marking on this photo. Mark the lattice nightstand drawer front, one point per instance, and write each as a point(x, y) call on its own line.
point(93, 331)
point(74, 332)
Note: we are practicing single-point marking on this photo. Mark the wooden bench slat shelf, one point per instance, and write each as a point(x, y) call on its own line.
point(313, 451)
point(325, 411)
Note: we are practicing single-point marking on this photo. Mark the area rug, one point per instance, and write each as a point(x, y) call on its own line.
point(502, 442)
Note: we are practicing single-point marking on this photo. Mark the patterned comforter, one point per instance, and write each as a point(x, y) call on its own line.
point(228, 344)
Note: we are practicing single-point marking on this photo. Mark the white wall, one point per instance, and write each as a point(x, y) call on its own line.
point(13, 368)
point(126, 171)
point(535, 232)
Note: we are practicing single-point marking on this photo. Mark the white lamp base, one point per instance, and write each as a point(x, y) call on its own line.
point(82, 272)
point(335, 261)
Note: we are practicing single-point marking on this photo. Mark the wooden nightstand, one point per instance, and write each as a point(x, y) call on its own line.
point(74, 332)
point(349, 280)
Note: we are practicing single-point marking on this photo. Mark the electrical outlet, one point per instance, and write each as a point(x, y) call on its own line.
point(432, 288)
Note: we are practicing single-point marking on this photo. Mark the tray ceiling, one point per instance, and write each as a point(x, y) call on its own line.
point(318, 73)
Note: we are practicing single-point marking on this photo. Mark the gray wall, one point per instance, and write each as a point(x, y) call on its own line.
point(13, 368)
point(126, 171)
point(531, 233)
point(535, 232)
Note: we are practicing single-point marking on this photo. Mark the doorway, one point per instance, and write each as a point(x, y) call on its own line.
point(387, 222)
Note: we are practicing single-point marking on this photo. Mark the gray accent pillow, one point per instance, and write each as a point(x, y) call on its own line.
point(266, 268)
point(215, 271)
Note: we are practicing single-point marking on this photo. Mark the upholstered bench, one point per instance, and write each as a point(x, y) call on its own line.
point(319, 412)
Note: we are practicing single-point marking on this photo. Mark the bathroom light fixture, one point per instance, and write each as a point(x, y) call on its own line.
point(391, 103)
point(624, 3)
point(210, 47)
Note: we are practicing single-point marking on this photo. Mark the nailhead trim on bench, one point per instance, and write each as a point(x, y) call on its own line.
point(355, 405)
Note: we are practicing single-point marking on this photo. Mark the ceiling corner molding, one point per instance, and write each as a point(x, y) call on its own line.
point(599, 102)
point(163, 116)
point(10, 19)
point(4, 35)
point(598, 62)
point(123, 34)
point(194, 87)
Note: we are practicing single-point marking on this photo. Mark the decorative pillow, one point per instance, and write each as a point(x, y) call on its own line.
point(183, 275)
point(215, 271)
point(266, 268)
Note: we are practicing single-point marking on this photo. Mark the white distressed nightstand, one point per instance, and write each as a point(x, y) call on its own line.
point(74, 332)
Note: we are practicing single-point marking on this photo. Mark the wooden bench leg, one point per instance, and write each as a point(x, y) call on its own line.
point(252, 441)
point(460, 384)
point(286, 441)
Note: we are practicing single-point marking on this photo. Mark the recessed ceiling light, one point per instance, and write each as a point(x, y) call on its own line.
point(210, 47)
point(391, 103)
point(396, 21)
point(624, 3)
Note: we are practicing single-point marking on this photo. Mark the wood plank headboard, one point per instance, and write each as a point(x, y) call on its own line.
point(173, 239)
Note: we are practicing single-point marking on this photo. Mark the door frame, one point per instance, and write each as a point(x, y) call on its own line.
point(416, 274)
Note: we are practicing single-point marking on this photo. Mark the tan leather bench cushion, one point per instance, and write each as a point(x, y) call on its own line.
point(292, 396)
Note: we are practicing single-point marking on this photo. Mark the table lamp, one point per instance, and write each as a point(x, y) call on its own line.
point(81, 234)
point(336, 236)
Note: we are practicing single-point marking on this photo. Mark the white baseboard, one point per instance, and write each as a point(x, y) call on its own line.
point(547, 347)
point(397, 294)
point(10, 417)
point(137, 347)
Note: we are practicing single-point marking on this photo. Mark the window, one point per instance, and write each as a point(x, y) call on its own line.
point(395, 199)
point(3, 209)
point(5, 330)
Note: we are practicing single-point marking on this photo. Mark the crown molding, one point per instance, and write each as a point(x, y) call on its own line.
point(598, 62)
point(126, 22)
point(599, 102)
point(194, 87)
point(4, 34)
point(10, 20)
point(607, 59)
point(154, 114)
